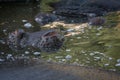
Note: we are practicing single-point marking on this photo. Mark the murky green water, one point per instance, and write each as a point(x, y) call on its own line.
point(11, 18)
point(97, 48)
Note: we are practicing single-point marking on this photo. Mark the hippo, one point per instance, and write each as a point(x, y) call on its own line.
point(45, 40)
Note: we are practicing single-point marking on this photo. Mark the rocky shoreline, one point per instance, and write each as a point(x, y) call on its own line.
point(81, 8)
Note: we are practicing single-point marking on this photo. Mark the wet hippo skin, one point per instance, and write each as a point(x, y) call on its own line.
point(45, 40)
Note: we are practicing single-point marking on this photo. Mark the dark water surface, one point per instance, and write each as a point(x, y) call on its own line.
point(90, 53)
point(12, 16)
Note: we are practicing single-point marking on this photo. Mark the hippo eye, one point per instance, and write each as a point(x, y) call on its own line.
point(22, 35)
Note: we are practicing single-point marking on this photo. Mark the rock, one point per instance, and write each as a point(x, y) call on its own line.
point(36, 53)
point(68, 57)
point(1, 41)
point(10, 57)
point(68, 50)
point(49, 60)
point(4, 30)
point(63, 60)
point(78, 37)
point(27, 25)
point(24, 21)
point(91, 54)
point(106, 64)
point(83, 8)
point(118, 65)
point(96, 52)
point(110, 58)
point(2, 53)
point(70, 30)
point(97, 58)
point(98, 34)
point(99, 28)
point(58, 57)
point(97, 21)
point(90, 15)
point(45, 18)
point(118, 60)
point(2, 60)
point(27, 52)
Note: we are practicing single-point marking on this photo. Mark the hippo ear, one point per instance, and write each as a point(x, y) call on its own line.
point(14, 39)
point(20, 33)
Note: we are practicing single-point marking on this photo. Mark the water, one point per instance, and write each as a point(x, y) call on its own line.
point(89, 49)
point(13, 16)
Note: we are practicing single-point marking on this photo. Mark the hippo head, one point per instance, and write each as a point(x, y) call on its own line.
point(45, 40)
point(14, 39)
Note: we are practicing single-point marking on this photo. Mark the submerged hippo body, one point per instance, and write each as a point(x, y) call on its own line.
point(46, 40)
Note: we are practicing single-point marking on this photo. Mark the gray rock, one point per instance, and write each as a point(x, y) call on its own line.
point(97, 21)
point(80, 8)
point(45, 18)
point(68, 57)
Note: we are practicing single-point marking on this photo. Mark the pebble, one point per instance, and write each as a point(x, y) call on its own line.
point(38, 20)
point(91, 54)
point(99, 28)
point(24, 21)
point(1, 41)
point(49, 60)
point(68, 57)
point(82, 51)
point(63, 60)
point(68, 50)
point(70, 30)
point(27, 52)
point(4, 30)
point(118, 65)
point(101, 53)
point(36, 53)
point(97, 58)
point(106, 64)
point(2, 60)
point(9, 56)
point(78, 37)
point(76, 59)
point(98, 34)
point(96, 52)
point(2, 53)
point(110, 58)
point(28, 25)
point(58, 57)
point(118, 60)
point(75, 63)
